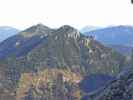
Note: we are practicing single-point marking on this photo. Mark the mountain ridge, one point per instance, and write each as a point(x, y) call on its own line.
point(64, 49)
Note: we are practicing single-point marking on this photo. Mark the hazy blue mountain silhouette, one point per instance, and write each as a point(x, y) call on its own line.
point(89, 28)
point(6, 31)
point(119, 38)
point(117, 35)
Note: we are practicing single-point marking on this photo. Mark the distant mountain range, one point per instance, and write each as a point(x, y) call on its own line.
point(6, 32)
point(89, 28)
point(125, 50)
point(116, 36)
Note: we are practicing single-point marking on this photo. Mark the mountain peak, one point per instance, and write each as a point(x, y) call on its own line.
point(69, 31)
point(67, 28)
point(38, 29)
point(40, 25)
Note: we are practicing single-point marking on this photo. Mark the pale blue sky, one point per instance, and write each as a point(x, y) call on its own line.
point(54, 13)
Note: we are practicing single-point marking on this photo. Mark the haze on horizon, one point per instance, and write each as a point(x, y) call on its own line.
point(54, 13)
